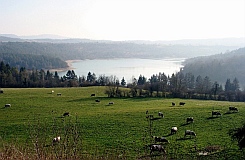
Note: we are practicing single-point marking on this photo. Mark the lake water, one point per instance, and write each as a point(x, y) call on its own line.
point(127, 68)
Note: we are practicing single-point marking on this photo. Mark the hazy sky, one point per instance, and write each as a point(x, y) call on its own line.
point(124, 19)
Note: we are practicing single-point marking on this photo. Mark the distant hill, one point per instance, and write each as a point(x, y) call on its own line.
point(30, 61)
point(101, 50)
point(50, 38)
point(72, 49)
point(219, 67)
point(42, 36)
point(9, 39)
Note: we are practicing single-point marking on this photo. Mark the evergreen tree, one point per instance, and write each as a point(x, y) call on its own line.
point(141, 80)
point(207, 85)
point(228, 85)
point(236, 85)
point(190, 81)
point(123, 82)
point(91, 77)
point(199, 84)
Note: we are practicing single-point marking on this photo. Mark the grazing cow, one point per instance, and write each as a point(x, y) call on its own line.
point(174, 130)
point(149, 116)
point(156, 147)
point(97, 100)
point(111, 103)
point(146, 112)
point(7, 105)
point(160, 139)
point(58, 94)
point(160, 114)
point(173, 104)
point(231, 108)
point(189, 120)
point(181, 103)
point(66, 114)
point(1, 91)
point(190, 133)
point(92, 95)
point(216, 113)
point(56, 140)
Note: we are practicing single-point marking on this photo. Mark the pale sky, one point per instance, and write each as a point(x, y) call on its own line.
point(124, 19)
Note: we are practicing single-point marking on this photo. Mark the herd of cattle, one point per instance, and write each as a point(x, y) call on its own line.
point(160, 141)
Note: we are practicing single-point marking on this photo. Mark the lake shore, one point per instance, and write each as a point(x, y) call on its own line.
point(124, 68)
point(69, 66)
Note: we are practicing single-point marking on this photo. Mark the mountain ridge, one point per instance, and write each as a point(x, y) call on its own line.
point(50, 38)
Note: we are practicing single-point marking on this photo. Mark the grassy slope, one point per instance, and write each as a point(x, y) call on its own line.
point(121, 127)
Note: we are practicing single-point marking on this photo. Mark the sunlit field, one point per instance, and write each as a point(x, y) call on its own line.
point(116, 131)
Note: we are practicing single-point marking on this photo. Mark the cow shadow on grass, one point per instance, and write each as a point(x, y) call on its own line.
point(230, 112)
point(156, 118)
point(167, 135)
point(185, 124)
point(212, 117)
point(89, 99)
point(183, 138)
point(155, 155)
point(60, 117)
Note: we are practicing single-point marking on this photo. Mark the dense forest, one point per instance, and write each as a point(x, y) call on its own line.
point(96, 50)
point(228, 65)
point(32, 61)
point(179, 85)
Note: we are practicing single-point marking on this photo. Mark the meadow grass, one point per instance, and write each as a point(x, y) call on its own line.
point(119, 130)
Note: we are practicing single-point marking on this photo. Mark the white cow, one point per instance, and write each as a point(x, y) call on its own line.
point(174, 130)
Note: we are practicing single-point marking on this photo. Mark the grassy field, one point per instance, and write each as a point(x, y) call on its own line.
point(120, 130)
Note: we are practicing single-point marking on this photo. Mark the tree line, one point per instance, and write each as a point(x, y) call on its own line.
point(219, 66)
point(30, 61)
point(178, 85)
point(104, 50)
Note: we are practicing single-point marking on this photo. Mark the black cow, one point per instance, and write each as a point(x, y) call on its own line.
point(216, 113)
point(97, 100)
point(189, 119)
point(231, 108)
point(92, 95)
point(156, 147)
point(56, 140)
point(190, 133)
point(181, 103)
point(160, 139)
point(66, 114)
point(160, 114)
point(173, 104)
point(7, 105)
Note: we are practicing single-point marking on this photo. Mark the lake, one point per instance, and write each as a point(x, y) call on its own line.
point(127, 68)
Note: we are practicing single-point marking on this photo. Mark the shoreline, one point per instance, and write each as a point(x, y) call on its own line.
point(69, 66)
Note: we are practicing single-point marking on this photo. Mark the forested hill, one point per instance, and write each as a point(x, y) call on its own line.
point(52, 55)
point(100, 50)
point(30, 61)
point(219, 67)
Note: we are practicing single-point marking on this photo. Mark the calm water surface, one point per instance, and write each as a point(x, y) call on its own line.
point(127, 68)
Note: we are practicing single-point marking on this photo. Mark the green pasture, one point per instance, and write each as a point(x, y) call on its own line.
point(119, 129)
